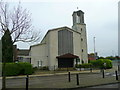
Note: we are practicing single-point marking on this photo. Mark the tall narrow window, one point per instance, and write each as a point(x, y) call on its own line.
point(82, 50)
point(81, 29)
point(81, 39)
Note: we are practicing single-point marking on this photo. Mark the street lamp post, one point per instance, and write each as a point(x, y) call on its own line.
point(94, 47)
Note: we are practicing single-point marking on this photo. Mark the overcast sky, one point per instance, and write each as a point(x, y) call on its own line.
point(101, 19)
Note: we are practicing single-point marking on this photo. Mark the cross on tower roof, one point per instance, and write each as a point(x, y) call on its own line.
point(77, 8)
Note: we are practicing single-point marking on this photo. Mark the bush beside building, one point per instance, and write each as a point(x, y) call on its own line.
point(13, 69)
point(100, 63)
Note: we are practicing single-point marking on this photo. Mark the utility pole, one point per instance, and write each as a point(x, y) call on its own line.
point(94, 47)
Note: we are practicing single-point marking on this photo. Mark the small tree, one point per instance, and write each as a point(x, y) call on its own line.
point(16, 22)
point(7, 47)
point(7, 54)
point(0, 51)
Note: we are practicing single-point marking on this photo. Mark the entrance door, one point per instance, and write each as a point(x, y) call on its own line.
point(65, 63)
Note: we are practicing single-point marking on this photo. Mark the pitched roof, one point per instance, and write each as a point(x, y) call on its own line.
point(65, 27)
point(68, 55)
point(60, 28)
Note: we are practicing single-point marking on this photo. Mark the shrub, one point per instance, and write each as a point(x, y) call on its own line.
point(35, 69)
point(100, 63)
point(97, 64)
point(12, 69)
point(85, 65)
point(26, 68)
point(77, 65)
point(44, 68)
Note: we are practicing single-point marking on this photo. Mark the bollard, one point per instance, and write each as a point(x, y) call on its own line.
point(69, 79)
point(77, 77)
point(54, 67)
point(103, 73)
point(116, 75)
point(27, 82)
point(90, 69)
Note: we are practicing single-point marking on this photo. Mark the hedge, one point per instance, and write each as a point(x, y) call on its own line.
point(100, 63)
point(44, 68)
point(97, 64)
point(85, 65)
point(21, 68)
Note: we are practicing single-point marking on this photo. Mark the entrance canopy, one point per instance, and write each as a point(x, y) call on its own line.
point(68, 55)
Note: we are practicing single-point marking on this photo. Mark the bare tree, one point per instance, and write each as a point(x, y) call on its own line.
point(18, 21)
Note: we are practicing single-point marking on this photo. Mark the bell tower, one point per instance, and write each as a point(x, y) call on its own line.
point(78, 17)
point(80, 26)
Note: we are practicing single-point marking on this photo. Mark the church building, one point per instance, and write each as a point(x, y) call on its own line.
point(62, 47)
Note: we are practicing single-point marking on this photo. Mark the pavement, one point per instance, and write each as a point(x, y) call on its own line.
point(59, 80)
point(54, 73)
point(64, 73)
point(107, 71)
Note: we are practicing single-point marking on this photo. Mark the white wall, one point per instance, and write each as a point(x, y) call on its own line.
point(77, 44)
point(38, 53)
point(53, 48)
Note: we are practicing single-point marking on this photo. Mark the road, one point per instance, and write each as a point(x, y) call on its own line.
point(60, 81)
point(108, 86)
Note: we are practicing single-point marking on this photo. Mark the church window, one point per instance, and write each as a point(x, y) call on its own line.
point(81, 29)
point(82, 50)
point(65, 42)
point(81, 39)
